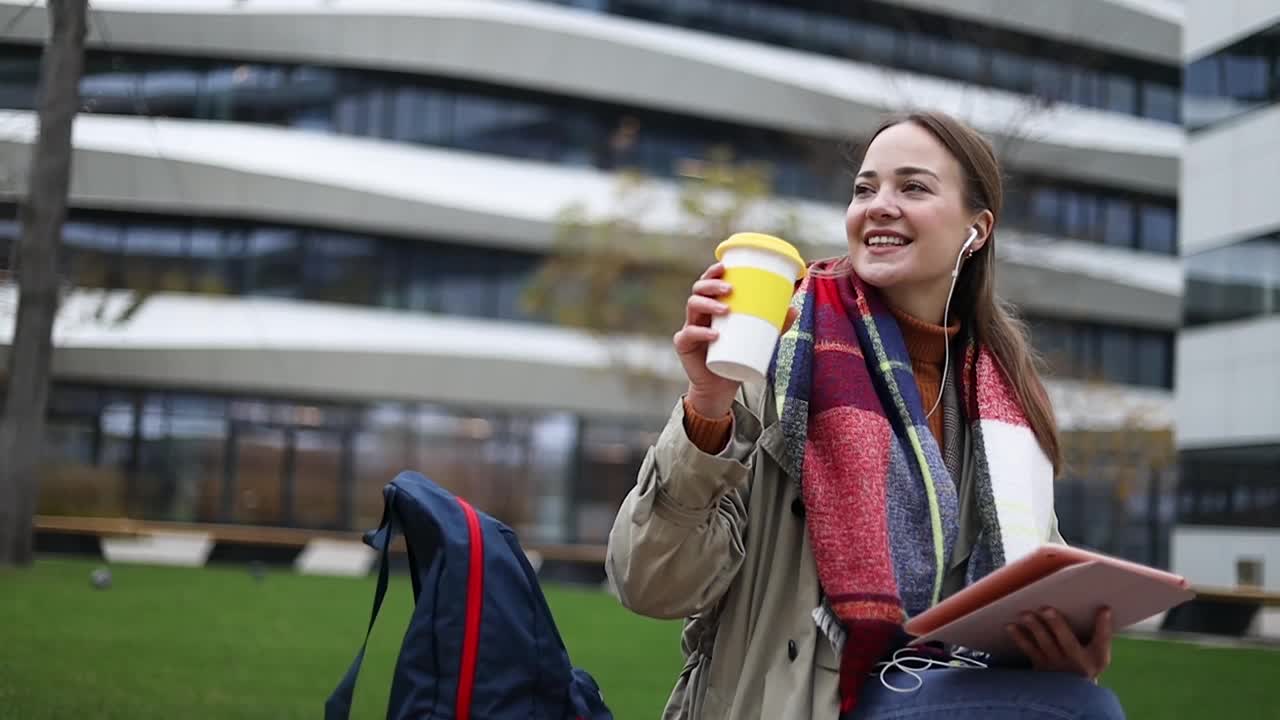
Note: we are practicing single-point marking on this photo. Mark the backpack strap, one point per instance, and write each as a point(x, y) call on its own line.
point(338, 706)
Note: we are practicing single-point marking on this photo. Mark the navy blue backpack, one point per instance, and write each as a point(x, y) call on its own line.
point(481, 642)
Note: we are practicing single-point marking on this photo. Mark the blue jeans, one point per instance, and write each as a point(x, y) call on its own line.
point(956, 694)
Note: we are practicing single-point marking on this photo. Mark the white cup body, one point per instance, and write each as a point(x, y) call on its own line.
point(746, 343)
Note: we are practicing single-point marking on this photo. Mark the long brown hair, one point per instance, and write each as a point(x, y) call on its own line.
point(990, 320)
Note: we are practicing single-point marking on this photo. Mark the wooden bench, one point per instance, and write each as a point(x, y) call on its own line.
point(223, 533)
point(272, 537)
point(583, 554)
point(1220, 611)
point(1248, 596)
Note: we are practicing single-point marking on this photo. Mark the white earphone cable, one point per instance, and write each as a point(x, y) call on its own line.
point(946, 312)
point(915, 665)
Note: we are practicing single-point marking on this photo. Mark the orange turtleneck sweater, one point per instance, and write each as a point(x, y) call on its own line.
point(927, 346)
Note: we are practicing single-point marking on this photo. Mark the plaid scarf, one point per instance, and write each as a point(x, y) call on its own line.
point(880, 506)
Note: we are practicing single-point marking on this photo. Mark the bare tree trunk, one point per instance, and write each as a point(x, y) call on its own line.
point(42, 214)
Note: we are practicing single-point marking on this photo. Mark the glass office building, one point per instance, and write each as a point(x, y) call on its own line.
point(334, 212)
point(1228, 384)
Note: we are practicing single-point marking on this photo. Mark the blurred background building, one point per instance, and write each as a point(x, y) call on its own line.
point(1228, 415)
point(329, 209)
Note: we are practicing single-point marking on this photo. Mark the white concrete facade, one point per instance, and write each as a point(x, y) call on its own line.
point(1210, 557)
point(1228, 383)
point(260, 345)
point(1213, 25)
point(1211, 554)
point(1227, 175)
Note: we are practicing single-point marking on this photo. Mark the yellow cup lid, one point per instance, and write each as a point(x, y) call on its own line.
point(760, 241)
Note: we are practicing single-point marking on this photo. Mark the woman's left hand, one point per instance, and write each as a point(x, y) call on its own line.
point(1050, 643)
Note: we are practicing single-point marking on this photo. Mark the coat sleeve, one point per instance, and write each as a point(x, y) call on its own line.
point(677, 542)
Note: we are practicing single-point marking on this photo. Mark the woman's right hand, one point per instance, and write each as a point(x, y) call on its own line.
point(710, 395)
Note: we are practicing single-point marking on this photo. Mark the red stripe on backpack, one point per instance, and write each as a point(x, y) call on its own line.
point(475, 601)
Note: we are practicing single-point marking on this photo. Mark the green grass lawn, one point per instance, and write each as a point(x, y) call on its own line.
point(214, 643)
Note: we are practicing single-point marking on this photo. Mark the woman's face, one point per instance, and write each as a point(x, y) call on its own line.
point(908, 218)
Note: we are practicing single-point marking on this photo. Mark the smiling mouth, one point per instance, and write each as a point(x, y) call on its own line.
point(885, 241)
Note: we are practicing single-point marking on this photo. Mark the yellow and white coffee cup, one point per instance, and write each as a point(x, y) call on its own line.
point(762, 271)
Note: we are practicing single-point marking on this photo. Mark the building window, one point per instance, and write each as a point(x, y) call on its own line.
point(164, 455)
point(1118, 222)
point(1121, 93)
point(343, 268)
point(221, 257)
point(1158, 229)
point(156, 257)
point(1094, 351)
point(92, 254)
point(270, 256)
point(1234, 282)
point(1235, 80)
point(1232, 486)
point(1080, 212)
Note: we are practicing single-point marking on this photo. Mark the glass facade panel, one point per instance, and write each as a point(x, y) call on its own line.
point(1234, 282)
point(316, 481)
point(91, 254)
point(182, 449)
point(553, 443)
point(71, 481)
point(197, 453)
point(1117, 222)
point(1112, 217)
point(1093, 351)
point(1154, 360)
point(1232, 81)
point(221, 257)
point(1161, 101)
point(487, 282)
point(1158, 229)
point(611, 455)
point(1230, 486)
point(156, 258)
point(117, 420)
point(8, 244)
point(204, 457)
point(1118, 493)
point(383, 447)
point(259, 468)
point(1121, 93)
point(343, 268)
point(211, 269)
point(1118, 352)
point(554, 477)
point(271, 261)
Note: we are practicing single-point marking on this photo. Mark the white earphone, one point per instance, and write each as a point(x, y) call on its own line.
point(973, 235)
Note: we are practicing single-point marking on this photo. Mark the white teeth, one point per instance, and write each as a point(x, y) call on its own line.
point(885, 240)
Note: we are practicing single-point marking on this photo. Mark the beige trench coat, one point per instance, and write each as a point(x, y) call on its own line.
point(720, 540)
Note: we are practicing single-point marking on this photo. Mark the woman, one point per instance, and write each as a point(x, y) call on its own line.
point(903, 447)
